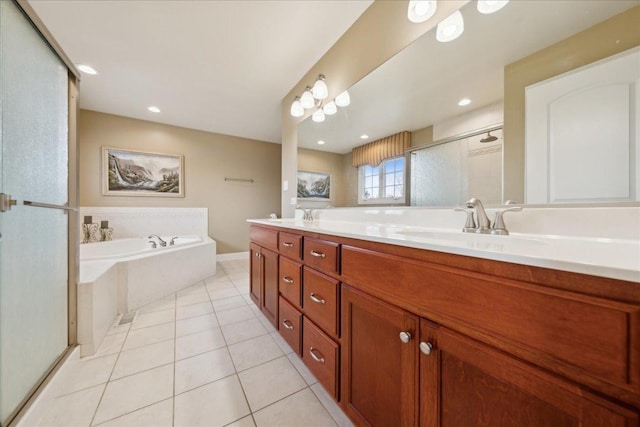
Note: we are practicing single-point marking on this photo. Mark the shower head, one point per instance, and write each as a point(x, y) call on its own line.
point(489, 138)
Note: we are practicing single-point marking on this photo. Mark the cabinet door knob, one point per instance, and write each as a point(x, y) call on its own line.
point(317, 254)
point(287, 244)
point(287, 279)
point(257, 254)
point(317, 299)
point(426, 347)
point(287, 324)
point(312, 352)
point(405, 337)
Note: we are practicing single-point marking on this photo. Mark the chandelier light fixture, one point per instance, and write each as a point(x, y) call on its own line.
point(451, 27)
point(314, 97)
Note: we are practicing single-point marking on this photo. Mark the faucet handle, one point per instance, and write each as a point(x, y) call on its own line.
point(470, 226)
point(498, 224)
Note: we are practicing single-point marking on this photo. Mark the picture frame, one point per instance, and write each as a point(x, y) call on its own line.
point(138, 173)
point(314, 185)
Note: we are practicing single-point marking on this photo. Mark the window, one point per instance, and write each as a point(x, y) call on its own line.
point(383, 184)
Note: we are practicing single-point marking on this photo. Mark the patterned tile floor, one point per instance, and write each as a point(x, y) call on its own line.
point(204, 356)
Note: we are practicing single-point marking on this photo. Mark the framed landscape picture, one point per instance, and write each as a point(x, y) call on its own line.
point(135, 173)
point(314, 185)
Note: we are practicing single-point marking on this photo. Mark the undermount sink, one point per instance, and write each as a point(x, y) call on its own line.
point(471, 237)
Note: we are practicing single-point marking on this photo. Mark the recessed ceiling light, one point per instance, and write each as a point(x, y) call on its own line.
point(154, 109)
point(464, 101)
point(321, 142)
point(364, 136)
point(87, 69)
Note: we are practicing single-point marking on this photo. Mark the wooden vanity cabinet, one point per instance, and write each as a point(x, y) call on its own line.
point(263, 276)
point(411, 337)
point(466, 383)
point(379, 372)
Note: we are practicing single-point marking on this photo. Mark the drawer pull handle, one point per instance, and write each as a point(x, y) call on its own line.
point(318, 254)
point(426, 347)
point(287, 324)
point(405, 337)
point(287, 279)
point(312, 352)
point(287, 244)
point(317, 299)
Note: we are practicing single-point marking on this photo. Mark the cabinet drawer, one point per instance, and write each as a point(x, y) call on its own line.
point(264, 237)
point(290, 281)
point(291, 245)
point(322, 255)
point(320, 354)
point(548, 327)
point(320, 300)
point(290, 325)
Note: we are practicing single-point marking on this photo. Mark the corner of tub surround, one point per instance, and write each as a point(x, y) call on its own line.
point(613, 222)
point(143, 221)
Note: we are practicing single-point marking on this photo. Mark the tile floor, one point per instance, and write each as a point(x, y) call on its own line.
point(204, 356)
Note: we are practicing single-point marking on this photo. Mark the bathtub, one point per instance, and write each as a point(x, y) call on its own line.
point(122, 275)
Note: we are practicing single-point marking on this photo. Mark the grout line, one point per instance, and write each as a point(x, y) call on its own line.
point(109, 379)
point(175, 346)
point(131, 412)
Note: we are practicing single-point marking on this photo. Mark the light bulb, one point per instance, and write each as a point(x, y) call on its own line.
point(318, 116)
point(491, 6)
point(330, 108)
point(343, 99)
point(450, 28)
point(320, 90)
point(296, 108)
point(421, 10)
point(306, 100)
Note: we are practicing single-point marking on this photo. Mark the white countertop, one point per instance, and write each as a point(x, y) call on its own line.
point(607, 257)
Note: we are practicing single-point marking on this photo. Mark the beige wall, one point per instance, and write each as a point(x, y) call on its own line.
point(615, 35)
point(381, 31)
point(208, 159)
point(422, 136)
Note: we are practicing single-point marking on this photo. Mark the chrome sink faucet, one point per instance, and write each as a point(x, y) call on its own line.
point(484, 224)
point(162, 242)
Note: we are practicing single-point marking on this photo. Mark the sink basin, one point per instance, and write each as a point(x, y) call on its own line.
point(475, 238)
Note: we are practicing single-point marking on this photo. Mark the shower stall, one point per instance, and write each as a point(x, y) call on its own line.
point(38, 249)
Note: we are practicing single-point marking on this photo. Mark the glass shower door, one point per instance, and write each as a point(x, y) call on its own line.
point(33, 240)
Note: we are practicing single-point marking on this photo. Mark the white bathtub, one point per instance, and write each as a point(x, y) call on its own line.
point(121, 275)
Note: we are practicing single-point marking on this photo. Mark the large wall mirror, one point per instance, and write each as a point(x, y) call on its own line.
point(418, 91)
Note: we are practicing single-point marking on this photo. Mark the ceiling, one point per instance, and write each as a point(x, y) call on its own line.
point(218, 66)
point(422, 85)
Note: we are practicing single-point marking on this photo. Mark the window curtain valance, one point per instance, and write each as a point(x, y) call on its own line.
point(385, 148)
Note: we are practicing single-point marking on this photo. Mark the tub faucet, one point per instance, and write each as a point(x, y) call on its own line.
point(162, 242)
point(484, 225)
point(173, 241)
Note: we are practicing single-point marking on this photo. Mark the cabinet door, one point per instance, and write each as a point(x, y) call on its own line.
point(379, 371)
point(270, 285)
point(255, 282)
point(466, 383)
